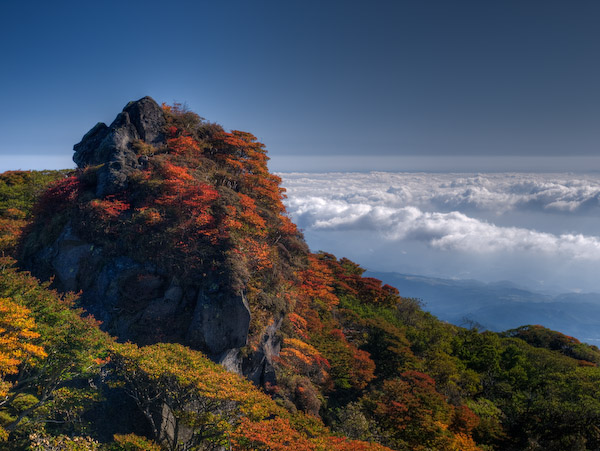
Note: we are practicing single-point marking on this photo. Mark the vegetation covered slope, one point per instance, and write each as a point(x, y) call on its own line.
point(355, 365)
point(18, 192)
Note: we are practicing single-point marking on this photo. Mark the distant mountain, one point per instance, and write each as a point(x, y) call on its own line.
point(502, 305)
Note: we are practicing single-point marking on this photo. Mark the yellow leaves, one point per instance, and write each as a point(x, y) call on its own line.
point(175, 368)
point(16, 333)
point(132, 442)
point(463, 442)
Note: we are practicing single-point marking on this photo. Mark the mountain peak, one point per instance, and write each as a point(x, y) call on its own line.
point(174, 230)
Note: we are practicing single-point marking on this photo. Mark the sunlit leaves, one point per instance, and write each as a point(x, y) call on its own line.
point(201, 395)
point(44, 355)
point(17, 332)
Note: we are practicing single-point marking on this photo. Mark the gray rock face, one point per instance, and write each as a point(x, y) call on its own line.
point(220, 322)
point(140, 303)
point(258, 366)
point(112, 146)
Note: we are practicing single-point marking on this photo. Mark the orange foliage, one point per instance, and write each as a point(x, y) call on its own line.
point(151, 216)
point(247, 158)
point(257, 254)
point(175, 174)
point(363, 368)
point(287, 226)
point(316, 284)
point(272, 435)
point(182, 144)
point(463, 442)
point(300, 325)
point(279, 434)
point(17, 331)
point(304, 359)
point(344, 444)
point(190, 200)
point(249, 215)
point(10, 231)
point(312, 320)
point(348, 280)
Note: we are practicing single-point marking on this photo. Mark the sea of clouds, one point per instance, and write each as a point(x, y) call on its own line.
point(537, 228)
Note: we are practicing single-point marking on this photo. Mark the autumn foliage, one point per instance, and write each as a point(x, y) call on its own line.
point(353, 366)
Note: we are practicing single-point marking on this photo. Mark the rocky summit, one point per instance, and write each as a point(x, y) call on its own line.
point(159, 185)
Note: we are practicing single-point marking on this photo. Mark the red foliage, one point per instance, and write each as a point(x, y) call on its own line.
point(110, 207)
point(349, 280)
point(363, 368)
point(411, 400)
point(464, 420)
point(58, 196)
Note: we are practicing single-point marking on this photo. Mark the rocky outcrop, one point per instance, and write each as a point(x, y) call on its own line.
point(112, 146)
point(138, 301)
point(144, 304)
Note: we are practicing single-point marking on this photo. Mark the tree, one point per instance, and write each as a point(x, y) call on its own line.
point(46, 343)
point(200, 401)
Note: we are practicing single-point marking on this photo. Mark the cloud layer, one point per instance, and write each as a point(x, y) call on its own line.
point(451, 212)
point(491, 192)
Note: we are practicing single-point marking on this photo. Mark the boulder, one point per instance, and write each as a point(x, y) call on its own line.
point(111, 147)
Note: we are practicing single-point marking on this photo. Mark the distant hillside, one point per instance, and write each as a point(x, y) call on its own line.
point(501, 305)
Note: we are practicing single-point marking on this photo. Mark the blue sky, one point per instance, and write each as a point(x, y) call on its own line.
point(377, 79)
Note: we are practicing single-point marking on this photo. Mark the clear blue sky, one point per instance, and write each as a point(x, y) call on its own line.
point(310, 78)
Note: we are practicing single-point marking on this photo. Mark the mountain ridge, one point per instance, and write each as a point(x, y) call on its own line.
point(181, 247)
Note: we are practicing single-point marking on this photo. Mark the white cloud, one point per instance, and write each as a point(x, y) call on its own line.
point(490, 192)
point(441, 209)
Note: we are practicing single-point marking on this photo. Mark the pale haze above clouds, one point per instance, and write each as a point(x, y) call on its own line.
point(539, 230)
